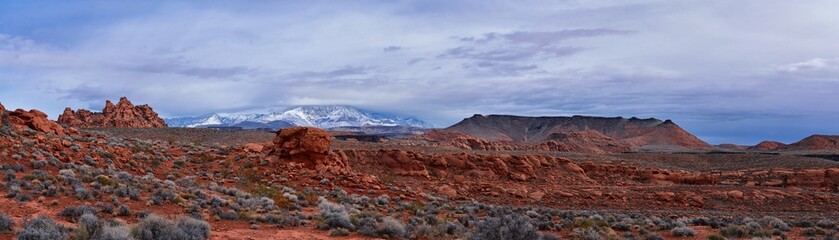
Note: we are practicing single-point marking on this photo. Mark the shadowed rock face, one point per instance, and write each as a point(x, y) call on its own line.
point(643, 133)
point(122, 115)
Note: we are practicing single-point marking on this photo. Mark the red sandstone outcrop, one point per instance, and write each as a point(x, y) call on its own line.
point(122, 115)
point(308, 148)
point(32, 119)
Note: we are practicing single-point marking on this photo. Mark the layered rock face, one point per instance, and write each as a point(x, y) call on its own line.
point(32, 119)
point(306, 147)
point(122, 115)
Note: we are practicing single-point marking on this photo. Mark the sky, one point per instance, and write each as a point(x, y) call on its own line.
point(727, 71)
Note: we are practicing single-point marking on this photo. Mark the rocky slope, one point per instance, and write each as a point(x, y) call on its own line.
point(122, 115)
point(816, 142)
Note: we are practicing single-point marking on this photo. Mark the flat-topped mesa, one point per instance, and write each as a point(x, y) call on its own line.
point(643, 133)
point(122, 115)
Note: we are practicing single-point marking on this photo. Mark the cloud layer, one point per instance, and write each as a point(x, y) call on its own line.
point(738, 71)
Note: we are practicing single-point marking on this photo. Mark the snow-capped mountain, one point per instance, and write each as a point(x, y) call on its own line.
point(322, 116)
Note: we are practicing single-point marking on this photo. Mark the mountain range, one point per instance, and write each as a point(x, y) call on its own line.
point(321, 116)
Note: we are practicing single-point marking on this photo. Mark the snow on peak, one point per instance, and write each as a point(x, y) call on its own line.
point(322, 116)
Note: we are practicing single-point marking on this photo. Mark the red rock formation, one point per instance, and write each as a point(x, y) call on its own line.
point(768, 146)
point(306, 147)
point(122, 115)
point(33, 119)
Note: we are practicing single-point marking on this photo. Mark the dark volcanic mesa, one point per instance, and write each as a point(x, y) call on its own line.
point(122, 115)
point(641, 133)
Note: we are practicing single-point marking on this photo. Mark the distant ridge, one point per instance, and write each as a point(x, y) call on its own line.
point(647, 133)
point(321, 116)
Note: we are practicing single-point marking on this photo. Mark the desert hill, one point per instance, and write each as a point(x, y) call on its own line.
point(816, 142)
point(648, 133)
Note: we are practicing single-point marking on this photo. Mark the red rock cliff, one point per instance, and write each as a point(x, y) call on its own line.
point(122, 115)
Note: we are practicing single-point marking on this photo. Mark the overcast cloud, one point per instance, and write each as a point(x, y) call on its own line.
point(728, 71)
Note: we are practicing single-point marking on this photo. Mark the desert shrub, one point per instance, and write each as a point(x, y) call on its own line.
point(451, 228)
point(367, 226)
point(41, 228)
point(392, 228)
point(105, 207)
point(334, 216)
point(826, 224)
point(113, 233)
point(38, 164)
point(812, 232)
point(82, 193)
point(804, 223)
point(426, 231)
point(123, 210)
point(715, 237)
point(621, 226)
point(775, 223)
point(89, 226)
point(382, 200)
point(153, 227)
point(510, 227)
point(753, 225)
point(226, 215)
point(73, 213)
point(733, 231)
point(587, 234)
point(339, 232)
point(23, 197)
point(194, 228)
point(682, 232)
point(6, 222)
point(653, 236)
point(549, 236)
